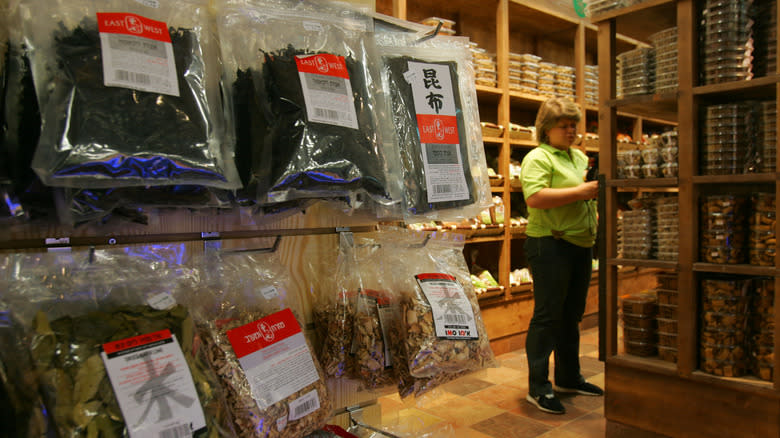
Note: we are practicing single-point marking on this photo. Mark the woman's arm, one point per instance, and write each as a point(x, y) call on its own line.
point(551, 198)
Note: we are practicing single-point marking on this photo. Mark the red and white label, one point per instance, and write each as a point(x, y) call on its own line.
point(132, 24)
point(437, 124)
point(153, 385)
point(453, 317)
point(327, 90)
point(275, 358)
point(137, 53)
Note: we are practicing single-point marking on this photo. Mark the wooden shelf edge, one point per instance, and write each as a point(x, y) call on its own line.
point(728, 87)
point(486, 239)
point(744, 384)
point(769, 271)
point(643, 182)
point(527, 97)
point(489, 90)
point(498, 140)
point(523, 288)
point(741, 178)
point(644, 263)
point(615, 13)
point(529, 143)
point(651, 364)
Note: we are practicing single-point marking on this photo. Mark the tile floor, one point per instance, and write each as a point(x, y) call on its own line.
point(491, 403)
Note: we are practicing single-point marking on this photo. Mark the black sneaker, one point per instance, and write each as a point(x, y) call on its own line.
point(583, 388)
point(547, 403)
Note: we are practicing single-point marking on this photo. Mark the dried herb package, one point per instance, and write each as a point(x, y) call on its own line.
point(113, 352)
point(311, 127)
point(436, 124)
point(133, 95)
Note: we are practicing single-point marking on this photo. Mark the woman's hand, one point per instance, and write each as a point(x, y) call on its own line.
point(589, 190)
point(551, 198)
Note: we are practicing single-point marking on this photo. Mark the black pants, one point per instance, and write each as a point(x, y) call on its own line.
point(561, 273)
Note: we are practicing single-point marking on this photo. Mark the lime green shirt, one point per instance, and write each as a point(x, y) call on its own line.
point(546, 166)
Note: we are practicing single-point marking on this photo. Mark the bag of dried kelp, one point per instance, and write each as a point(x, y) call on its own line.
point(114, 353)
point(132, 94)
point(305, 90)
point(250, 323)
point(433, 102)
point(443, 332)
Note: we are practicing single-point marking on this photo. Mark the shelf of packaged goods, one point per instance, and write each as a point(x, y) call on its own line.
point(486, 239)
point(735, 269)
point(523, 143)
point(648, 189)
point(643, 182)
point(644, 263)
point(741, 178)
point(497, 189)
point(641, 20)
point(653, 364)
point(661, 108)
point(497, 140)
point(522, 289)
point(490, 294)
point(758, 88)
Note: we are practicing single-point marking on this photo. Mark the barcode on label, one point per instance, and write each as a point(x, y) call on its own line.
point(180, 431)
point(329, 114)
point(442, 188)
point(304, 405)
point(448, 317)
point(129, 76)
point(305, 408)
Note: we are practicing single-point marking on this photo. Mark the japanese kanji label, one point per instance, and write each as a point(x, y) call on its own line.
point(274, 356)
point(327, 91)
point(153, 385)
point(453, 317)
point(137, 53)
point(437, 124)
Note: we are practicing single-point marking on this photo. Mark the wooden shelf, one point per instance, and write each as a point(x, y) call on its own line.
point(523, 288)
point(524, 101)
point(644, 263)
point(652, 364)
point(754, 384)
point(523, 143)
point(519, 235)
point(735, 269)
point(741, 178)
point(486, 239)
point(642, 20)
point(497, 189)
point(661, 108)
point(497, 140)
point(643, 182)
point(758, 88)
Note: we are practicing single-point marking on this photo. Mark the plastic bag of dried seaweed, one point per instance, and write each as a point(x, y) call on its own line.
point(305, 91)
point(442, 329)
point(132, 94)
point(250, 323)
point(114, 354)
point(435, 116)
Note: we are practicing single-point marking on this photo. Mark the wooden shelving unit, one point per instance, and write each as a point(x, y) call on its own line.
point(645, 396)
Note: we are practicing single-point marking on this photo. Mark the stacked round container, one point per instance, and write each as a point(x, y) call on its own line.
point(728, 137)
point(524, 73)
point(592, 84)
point(651, 157)
point(762, 246)
point(724, 230)
point(629, 160)
point(768, 142)
point(564, 81)
point(637, 71)
point(667, 228)
point(636, 234)
point(639, 325)
point(484, 67)
point(724, 327)
point(726, 43)
point(670, 166)
point(763, 313)
point(765, 35)
point(547, 78)
point(447, 26)
point(667, 326)
point(665, 45)
point(596, 7)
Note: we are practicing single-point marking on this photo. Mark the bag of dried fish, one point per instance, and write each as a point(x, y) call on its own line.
point(114, 353)
point(442, 327)
point(274, 385)
point(131, 94)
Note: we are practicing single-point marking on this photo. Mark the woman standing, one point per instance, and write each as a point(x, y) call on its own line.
point(561, 233)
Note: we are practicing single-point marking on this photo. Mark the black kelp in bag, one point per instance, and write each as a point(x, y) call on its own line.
point(312, 130)
point(134, 95)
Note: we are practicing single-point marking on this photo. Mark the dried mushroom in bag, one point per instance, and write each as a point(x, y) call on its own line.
point(71, 353)
point(274, 386)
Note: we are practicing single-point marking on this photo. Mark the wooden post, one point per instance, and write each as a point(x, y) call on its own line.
point(502, 66)
point(579, 67)
point(399, 9)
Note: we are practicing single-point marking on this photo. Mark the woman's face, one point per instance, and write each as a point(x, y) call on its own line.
point(563, 134)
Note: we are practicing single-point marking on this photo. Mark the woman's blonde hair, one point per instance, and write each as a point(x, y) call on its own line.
point(551, 111)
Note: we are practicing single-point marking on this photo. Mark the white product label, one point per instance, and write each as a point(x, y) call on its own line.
point(153, 386)
point(269, 292)
point(327, 90)
point(312, 26)
point(137, 53)
point(453, 317)
point(161, 301)
point(304, 405)
point(275, 358)
point(388, 315)
point(151, 3)
point(437, 124)
point(281, 423)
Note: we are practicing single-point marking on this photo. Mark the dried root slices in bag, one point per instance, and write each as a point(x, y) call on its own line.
point(274, 386)
point(375, 329)
point(336, 321)
point(81, 361)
